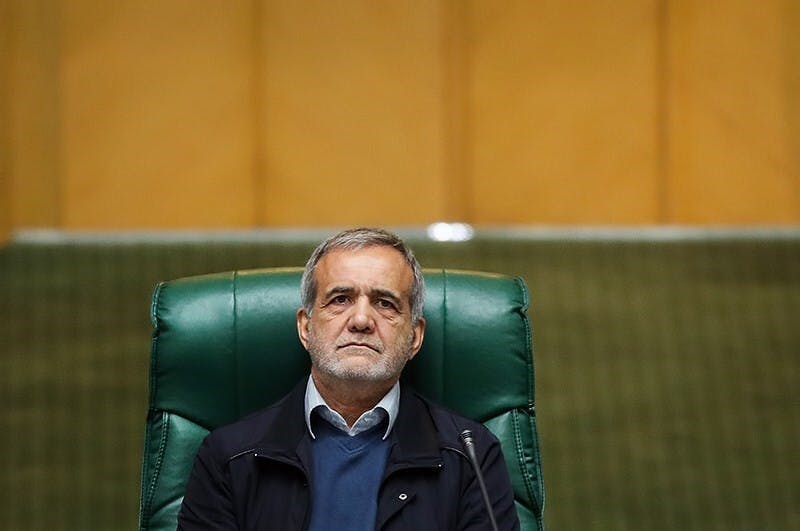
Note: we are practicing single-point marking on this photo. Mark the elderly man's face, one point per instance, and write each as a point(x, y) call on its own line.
point(361, 328)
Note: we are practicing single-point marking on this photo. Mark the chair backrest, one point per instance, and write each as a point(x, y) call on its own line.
point(226, 344)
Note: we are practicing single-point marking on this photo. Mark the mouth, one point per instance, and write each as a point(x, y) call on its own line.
point(359, 345)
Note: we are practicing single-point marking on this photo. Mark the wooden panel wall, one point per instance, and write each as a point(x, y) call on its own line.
point(5, 132)
point(156, 119)
point(565, 108)
point(733, 91)
point(198, 113)
point(352, 116)
point(34, 138)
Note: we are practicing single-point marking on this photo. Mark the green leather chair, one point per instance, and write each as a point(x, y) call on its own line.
point(226, 344)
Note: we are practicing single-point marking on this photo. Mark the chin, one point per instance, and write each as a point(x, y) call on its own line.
point(359, 372)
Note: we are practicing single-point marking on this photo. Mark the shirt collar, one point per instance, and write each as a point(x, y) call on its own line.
point(388, 406)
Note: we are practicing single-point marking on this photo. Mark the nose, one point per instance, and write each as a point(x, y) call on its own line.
point(361, 319)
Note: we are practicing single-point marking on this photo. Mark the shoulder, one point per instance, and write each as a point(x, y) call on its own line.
point(451, 424)
point(247, 433)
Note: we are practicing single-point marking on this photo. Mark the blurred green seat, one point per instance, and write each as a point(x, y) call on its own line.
point(226, 344)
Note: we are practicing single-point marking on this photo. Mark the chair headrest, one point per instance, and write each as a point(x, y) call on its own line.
point(226, 344)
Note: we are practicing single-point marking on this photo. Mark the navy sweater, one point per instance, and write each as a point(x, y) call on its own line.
point(346, 476)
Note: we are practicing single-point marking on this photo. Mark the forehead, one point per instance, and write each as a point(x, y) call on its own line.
point(376, 267)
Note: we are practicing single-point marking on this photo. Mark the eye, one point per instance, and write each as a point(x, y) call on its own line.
point(385, 304)
point(339, 299)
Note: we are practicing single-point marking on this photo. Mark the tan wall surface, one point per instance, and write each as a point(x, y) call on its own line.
point(252, 113)
point(353, 102)
point(34, 141)
point(732, 157)
point(5, 133)
point(564, 112)
point(157, 127)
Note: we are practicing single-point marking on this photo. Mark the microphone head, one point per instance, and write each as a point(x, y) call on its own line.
point(466, 436)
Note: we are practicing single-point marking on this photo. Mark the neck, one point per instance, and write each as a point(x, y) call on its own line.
point(350, 398)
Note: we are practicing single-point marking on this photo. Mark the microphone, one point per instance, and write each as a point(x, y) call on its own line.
point(469, 446)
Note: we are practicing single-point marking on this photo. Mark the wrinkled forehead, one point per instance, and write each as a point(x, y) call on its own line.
point(368, 268)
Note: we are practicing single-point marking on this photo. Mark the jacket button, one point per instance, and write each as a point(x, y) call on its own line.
point(403, 496)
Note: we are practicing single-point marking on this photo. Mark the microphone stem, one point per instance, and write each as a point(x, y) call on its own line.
point(469, 445)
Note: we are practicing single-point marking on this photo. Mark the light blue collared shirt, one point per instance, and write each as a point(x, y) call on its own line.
point(388, 406)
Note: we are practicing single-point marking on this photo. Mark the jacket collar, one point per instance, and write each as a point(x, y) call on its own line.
point(414, 439)
point(386, 407)
point(283, 435)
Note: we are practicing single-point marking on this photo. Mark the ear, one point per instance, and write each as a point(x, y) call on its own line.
point(419, 335)
point(302, 326)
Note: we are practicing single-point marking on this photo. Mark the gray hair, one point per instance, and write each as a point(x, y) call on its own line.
point(355, 239)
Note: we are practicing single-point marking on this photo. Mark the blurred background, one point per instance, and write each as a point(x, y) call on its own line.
point(637, 162)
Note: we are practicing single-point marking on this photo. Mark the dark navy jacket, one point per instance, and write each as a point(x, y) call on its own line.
point(254, 474)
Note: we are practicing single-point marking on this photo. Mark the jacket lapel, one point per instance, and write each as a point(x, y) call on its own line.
point(414, 445)
point(286, 438)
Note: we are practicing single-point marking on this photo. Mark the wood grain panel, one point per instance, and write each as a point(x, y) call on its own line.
point(564, 112)
point(5, 132)
point(457, 171)
point(734, 85)
point(791, 86)
point(157, 103)
point(353, 113)
point(33, 127)
point(184, 113)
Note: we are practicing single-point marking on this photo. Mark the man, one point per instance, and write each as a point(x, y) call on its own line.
point(351, 448)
